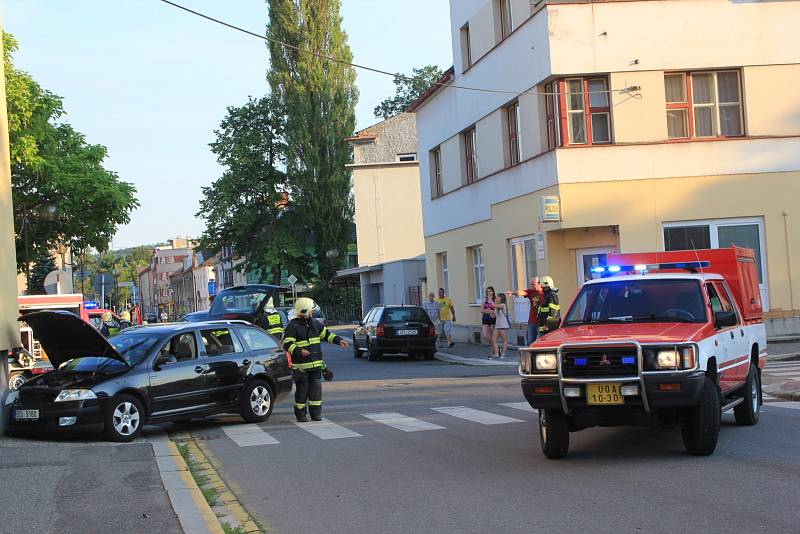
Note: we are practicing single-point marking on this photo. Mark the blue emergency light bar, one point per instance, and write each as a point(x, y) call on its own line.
point(641, 268)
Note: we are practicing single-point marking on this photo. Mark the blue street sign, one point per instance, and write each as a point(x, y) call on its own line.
point(212, 287)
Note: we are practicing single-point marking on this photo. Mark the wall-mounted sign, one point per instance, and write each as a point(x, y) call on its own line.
point(550, 209)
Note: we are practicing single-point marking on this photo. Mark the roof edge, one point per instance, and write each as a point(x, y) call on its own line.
point(438, 85)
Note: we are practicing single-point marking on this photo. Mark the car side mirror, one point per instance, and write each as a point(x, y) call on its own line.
point(723, 319)
point(165, 359)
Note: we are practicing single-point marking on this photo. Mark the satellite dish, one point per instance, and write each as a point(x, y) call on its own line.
point(58, 282)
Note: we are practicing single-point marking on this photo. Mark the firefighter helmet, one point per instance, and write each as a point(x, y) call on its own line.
point(270, 305)
point(303, 307)
point(547, 281)
point(106, 316)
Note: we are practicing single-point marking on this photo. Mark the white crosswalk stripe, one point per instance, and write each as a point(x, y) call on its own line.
point(249, 435)
point(792, 405)
point(477, 416)
point(524, 406)
point(327, 429)
point(402, 422)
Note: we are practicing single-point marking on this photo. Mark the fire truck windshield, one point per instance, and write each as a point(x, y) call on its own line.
point(661, 300)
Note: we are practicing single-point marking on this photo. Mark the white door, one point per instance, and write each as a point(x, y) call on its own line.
point(588, 258)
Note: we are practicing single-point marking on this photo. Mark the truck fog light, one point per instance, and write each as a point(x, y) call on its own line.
point(67, 421)
point(572, 391)
point(629, 390)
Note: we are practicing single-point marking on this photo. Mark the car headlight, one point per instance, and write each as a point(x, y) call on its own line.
point(667, 359)
point(12, 397)
point(546, 362)
point(75, 395)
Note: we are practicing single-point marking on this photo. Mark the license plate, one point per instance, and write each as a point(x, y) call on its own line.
point(607, 393)
point(406, 332)
point(26, 415)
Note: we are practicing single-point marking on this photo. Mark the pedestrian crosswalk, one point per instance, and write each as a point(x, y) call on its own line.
point(402, 422)
point(477, 416)
point(786, 370)
point(327, 429)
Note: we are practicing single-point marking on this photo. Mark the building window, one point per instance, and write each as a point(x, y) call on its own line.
point(587, 117)
point(721, 233)
point(466, 47)
point(410, 156)
point(478, 273)
point(503, 9)
point(436, 173)
point(470, 155)
point(512, 118)
point(443, 274)
point(703, 104)
point(523, 261)
point(551, 103)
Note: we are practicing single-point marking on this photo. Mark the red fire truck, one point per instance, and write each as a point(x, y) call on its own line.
point(672, 339)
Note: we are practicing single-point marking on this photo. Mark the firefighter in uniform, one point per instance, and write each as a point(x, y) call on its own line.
point(273, 320)
point(303, 340)
point(549, 310)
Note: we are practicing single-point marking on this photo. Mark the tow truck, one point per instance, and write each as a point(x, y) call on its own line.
point(670, 339)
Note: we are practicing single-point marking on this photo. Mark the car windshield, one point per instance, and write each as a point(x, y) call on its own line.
point(405, 315)
point(238, 301)
point(134, 346)
point(93, 364)
point(622, 301)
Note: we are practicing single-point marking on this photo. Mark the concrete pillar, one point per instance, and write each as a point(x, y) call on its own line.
point(9, 330)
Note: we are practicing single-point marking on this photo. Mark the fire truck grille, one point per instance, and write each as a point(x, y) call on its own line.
point(599, 362)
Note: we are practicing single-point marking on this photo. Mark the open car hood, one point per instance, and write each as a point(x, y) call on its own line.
point(64, 335)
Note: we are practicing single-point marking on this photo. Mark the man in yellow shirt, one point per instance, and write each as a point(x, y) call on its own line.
point(447, 314)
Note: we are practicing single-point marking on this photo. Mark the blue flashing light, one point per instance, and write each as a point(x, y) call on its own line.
point(628, 360)
point(614, 268)
point(581, 362)
point(598, 270)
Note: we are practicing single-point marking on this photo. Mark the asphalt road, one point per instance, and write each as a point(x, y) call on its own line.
point(415, 446)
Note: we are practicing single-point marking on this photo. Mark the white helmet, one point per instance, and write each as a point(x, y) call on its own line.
point(303, 307)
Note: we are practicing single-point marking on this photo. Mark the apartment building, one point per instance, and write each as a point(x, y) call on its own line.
point(611, 126)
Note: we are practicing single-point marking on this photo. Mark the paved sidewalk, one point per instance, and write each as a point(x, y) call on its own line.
point(477, 355)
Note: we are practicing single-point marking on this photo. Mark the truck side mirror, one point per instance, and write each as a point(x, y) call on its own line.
point(723, 319)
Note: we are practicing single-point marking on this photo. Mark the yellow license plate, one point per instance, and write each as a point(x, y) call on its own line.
point(608, 393)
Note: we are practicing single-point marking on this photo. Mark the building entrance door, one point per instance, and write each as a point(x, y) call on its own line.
point(587, 258)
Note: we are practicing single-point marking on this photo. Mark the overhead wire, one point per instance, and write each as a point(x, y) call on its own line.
point(376, 70)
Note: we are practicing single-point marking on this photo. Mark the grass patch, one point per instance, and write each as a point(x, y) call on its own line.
point(231, 530)
point(208, 493)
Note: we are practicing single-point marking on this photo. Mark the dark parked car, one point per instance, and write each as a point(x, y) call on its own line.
point(151, 317)
point(395, 329)
point(244, 303)
point(147, 374)
point(196, 317)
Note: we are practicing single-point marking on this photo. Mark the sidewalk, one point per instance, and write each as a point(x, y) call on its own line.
point(476, 355)
point(85, 485)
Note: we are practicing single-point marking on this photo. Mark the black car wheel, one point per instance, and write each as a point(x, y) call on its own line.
point(356, 350)
point(124, 418)
point(257, 402)
point(701, 429)
point(16, 380)
point(747, 412)
point(554, 433)
point(372, 353)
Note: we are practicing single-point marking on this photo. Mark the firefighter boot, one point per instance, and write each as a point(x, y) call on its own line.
point(300, 414)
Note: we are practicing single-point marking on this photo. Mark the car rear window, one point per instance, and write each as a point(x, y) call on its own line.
point(238, 301)
point(405, 315)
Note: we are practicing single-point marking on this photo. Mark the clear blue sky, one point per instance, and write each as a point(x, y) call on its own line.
point(151, 83)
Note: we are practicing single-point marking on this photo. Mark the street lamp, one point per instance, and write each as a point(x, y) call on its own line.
point(115, 274)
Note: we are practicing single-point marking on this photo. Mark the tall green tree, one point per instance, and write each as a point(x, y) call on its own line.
point(53, 165)
point(317, 97)
point(246, 207)
point(407, 90)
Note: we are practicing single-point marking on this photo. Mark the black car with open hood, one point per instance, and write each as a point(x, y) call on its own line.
point(172, 371)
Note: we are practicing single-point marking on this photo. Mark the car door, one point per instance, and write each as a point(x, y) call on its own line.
point(372, 325)
point(265, 350)
point(738, 350)
point(360, 333)
point(228, 363)
point(178, 381)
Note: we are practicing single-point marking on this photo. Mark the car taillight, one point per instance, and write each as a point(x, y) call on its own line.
point(379, 331)
point(289, 359)
point(431, 330)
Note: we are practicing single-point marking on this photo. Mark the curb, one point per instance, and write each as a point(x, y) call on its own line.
point(194, 513)
point(227, 509)
point(776, 391)
point(475, 362)
point(782, 357)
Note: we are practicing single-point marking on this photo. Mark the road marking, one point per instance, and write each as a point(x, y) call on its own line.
point(792, 405)
point(784, 373)
point(248, 435)
point(477, 416)
point(326, 429)
point(524, 406)
point(402, 422)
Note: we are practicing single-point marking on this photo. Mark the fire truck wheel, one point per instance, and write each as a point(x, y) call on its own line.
point(701, 429)
point(554, 433)
point(15, 381)
point(747, 412)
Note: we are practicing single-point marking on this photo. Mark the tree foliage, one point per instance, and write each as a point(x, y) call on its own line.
point(246, 206)
point(317, 98)
point(52, 164)
point(43, 265)
point(407, 90)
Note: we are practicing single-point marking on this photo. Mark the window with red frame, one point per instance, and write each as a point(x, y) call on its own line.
point(512, 117)
point(703, 104)
point(578, 112)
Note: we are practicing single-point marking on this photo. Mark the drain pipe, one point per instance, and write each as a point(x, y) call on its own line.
point(788, 258)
